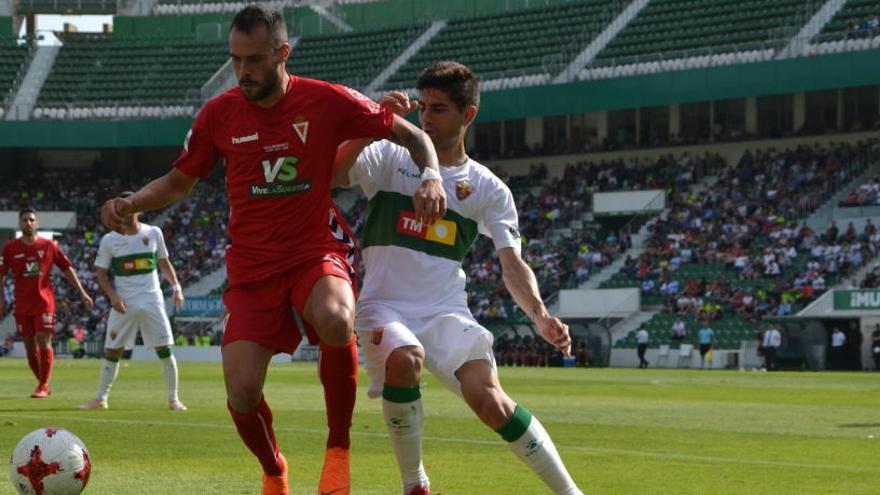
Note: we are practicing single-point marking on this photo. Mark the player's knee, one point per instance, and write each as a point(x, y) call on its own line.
point(113, 353)
point(335, 328)
point(244, 395)
point(404, 366)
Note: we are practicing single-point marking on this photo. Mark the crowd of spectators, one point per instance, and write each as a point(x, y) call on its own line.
point(744, 230)
point(868, 28)
point(533, 350)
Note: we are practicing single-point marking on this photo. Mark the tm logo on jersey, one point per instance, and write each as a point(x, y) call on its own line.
point(280, 178)
point(443, 231)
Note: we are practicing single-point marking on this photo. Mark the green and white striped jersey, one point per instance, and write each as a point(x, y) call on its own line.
point(413, 267)
point(132, 259)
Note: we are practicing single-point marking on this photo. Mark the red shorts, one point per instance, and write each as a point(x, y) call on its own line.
point(30, 325)
point(262, 311)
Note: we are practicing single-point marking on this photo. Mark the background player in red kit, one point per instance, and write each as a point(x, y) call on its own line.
point(278, 134)
point(30, 259)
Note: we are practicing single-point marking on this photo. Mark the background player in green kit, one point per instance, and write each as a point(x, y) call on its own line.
point(413, 310)
point(137, 303)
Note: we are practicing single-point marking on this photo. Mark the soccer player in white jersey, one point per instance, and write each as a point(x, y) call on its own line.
point(412, 310)
point(137, 303)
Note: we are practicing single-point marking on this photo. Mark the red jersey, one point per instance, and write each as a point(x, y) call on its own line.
point(31, 265)
point(279, 166)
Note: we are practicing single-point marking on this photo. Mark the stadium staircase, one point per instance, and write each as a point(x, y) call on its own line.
point(796, 46)
point(208, 284)
point(32, 84)
point(334, 16)
point(600, 42)
point(393, 67)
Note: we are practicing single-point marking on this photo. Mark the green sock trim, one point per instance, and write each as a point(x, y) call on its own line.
point(112, 359)
point(164, 353)
point(401, 395)
point(517, 425)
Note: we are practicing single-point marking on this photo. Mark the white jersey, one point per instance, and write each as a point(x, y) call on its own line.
point(132, 259)
point(416, 268)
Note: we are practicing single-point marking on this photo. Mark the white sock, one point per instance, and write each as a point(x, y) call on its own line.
point(109, 372)
point(169, 373)
point(536, 449)
point(404, 421)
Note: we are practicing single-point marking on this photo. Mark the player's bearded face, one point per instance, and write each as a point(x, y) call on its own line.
point(255, 61)
point(28, 224)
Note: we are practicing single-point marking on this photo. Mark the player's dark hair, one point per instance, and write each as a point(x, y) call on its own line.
point(255, 15)
point(25, 211)
point(455, 79)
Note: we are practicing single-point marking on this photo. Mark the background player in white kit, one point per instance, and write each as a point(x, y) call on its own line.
point(137, 303)
point(413, 306)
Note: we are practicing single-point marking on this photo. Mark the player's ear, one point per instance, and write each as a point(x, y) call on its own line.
point(470, 113)
point(283, 52)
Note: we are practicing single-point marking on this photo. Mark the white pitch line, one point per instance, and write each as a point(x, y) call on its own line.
point(470, 441)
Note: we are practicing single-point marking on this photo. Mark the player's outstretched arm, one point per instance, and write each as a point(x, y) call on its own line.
point(346, 157)
point(522, 285)
point(104, 282)
point(430, 199)
point(159, 193)
point(167, 270)
point(347, 154)
point(70, 275)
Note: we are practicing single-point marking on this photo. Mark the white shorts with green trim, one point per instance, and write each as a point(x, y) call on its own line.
point(147, 316)
point(449, 340)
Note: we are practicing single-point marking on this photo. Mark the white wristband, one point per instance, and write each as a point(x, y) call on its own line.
point(176, 288)
point(431, 174)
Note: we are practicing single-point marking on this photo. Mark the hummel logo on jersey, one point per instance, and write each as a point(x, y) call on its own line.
point(246, 139)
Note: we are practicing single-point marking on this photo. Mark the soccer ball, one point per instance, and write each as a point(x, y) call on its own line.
point(50, 461)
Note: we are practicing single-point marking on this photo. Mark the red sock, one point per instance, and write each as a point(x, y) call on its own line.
point(338, 370)
point(47, 358)
point(255, 429)
point(34, 362)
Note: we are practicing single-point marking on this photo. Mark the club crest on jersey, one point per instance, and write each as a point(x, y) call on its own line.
point(463, 189)
point(113, 334)
point(301, 127)
point(378, 333)
point(145, 240)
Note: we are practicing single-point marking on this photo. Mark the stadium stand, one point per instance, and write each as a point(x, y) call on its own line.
point(524, 48)
point(197, 7)
point(78, 7)
point(735, 254)
point(856, 19)
point(14, 54)
point(103, 76)
point(671, 35)
point(352, 59)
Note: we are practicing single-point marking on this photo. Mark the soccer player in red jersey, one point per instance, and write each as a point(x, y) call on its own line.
point(278, 134)
point(30, 259)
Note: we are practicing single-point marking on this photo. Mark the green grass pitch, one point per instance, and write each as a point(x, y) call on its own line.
point(620, 431)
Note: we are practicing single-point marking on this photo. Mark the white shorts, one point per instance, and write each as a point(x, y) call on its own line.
point(449, 340)
point(147, 316)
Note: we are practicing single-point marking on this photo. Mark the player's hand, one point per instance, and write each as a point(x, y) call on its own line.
point(398, 102)
point(556, 333)
point(430, 201)
point(87, 300)
point(2, 305)
point(114, 212)
point(117, 304)
point(178, 299)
